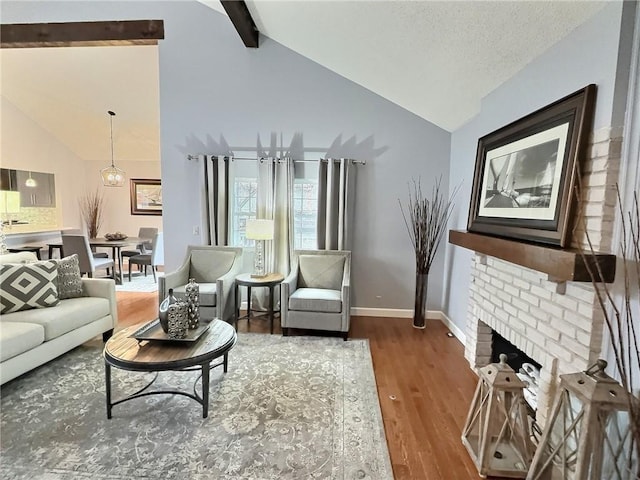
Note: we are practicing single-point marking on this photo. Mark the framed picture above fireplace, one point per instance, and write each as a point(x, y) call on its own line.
point(525, 172)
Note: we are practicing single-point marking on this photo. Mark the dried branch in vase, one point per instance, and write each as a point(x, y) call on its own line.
point(621, 308)
point(427, 221)
point(91, 206)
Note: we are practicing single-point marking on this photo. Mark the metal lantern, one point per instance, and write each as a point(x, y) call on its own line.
point(588, 433)
point(497, 432)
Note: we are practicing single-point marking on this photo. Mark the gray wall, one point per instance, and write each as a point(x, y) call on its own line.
point(588, 55)
point(211, 86)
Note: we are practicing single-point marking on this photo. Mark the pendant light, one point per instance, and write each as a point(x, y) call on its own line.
point(30, 182)
point(112, 176)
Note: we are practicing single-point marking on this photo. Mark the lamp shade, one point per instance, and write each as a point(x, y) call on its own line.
point(259, 229)
point(9, 202)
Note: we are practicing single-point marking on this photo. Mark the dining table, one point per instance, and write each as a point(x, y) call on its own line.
point(116, 250)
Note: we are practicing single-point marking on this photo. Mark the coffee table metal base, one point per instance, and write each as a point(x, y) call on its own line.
point(201, 399)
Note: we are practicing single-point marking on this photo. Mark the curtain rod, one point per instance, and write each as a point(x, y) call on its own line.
point(195, 157)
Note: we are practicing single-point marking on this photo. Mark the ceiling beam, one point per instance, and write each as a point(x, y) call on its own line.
point(79, 34)
point(241, 19)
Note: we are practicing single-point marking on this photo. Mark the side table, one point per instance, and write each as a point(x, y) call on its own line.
point(246, 280)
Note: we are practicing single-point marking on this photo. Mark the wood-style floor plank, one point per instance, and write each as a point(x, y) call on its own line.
point(425, 387)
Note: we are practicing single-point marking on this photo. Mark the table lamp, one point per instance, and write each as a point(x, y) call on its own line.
point(9, 204)
point(259, 230)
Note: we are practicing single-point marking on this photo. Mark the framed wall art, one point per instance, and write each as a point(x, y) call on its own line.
point(146, 196)
point(525, 172)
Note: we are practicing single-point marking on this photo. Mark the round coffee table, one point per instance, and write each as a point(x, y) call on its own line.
point(125, 352)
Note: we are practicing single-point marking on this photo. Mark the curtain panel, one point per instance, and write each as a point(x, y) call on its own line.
point(217, 190)
point(336, 198)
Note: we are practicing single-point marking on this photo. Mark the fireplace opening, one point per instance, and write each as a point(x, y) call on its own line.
point(527, 369)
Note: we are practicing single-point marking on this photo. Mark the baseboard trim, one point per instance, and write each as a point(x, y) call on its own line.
point(459, 334)
point(391, 312)
point(404, 313)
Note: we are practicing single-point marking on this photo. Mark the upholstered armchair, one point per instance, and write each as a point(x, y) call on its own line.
point(215, 270)
point(316, 294)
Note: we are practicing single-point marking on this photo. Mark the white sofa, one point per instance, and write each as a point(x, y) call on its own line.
point(30, 338)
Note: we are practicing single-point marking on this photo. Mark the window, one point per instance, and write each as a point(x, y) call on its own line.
point(243, 207)
point(305, 213)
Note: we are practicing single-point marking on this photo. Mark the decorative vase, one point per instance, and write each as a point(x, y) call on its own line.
point(178, 320)
point(420, 305)
point(163, 314)
point(192, 291)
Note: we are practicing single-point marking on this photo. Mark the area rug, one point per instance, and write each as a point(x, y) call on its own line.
point(288, 408)
point(138, 283)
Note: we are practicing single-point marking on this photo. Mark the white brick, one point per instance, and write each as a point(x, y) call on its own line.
point(529, 320)
point(541, 292)
point(530, 299)
point(559, 351)
point(579, 350)
point(520, 305)
point(521, 284)
point(548, 331)
point(595, 180)
point(566, 302)
point(581, 291)
point(513, 291)
point(578, 320)
point(497, 283)
point(554, 310)
point(536, 337)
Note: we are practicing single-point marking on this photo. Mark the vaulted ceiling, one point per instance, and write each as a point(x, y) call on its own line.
point(435, 59)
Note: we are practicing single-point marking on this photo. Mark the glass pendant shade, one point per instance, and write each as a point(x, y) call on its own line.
point(31, 183)
point(112, 176)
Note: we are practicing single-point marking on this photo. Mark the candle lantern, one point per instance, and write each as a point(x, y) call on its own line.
point(497, 431)
point(588, 435)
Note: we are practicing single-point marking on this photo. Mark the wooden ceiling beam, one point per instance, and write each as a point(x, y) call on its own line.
point(77, 34)
point(241, 19)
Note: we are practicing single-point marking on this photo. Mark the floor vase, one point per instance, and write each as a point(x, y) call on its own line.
point(420, 305)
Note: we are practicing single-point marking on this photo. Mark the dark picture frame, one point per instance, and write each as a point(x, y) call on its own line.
point(525, 172)
point(146, 196)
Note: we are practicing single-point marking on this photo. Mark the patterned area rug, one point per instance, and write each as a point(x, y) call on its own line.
point(138, 283)
point(289, 408)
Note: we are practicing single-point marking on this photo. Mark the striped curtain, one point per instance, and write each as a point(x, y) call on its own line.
point(336, 197)
point(217, 172)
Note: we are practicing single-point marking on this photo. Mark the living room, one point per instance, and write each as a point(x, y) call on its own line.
point(214, 90)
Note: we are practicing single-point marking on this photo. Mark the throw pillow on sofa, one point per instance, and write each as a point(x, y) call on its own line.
point(69, 277)
point(28, 285)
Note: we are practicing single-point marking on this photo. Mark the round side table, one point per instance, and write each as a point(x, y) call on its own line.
point(269, 280)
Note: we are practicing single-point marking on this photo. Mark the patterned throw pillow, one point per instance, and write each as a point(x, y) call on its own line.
point(28, 285)
point(69, 277)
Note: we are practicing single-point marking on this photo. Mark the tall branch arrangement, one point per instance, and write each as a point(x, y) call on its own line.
point(426, 221)
point(622, 314)
point(91, 206)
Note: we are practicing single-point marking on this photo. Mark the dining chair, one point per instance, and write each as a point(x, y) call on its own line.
point(60, 247)
point(146, 235)
point(79, 244)
point(153, 258)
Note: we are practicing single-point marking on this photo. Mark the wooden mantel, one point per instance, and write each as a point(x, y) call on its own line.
point(560, 264)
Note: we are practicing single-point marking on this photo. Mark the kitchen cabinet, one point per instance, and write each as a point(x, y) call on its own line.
point(43, 194)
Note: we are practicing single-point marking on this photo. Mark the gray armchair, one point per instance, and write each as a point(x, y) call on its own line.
point(316, 294)
point(215, 270)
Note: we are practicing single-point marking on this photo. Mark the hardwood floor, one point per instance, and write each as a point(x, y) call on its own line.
point(424, 384)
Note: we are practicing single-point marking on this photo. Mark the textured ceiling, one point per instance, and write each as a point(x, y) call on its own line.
point(436, 59)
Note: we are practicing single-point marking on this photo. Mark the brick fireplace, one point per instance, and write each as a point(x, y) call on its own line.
point(559, 326)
